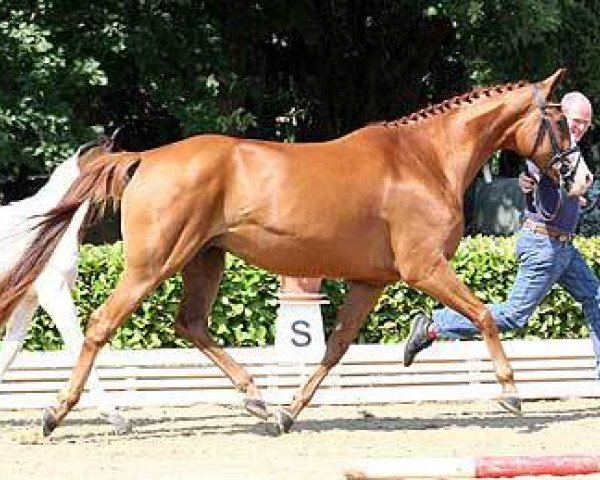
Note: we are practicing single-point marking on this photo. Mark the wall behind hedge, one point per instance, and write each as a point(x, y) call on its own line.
point(245, 310)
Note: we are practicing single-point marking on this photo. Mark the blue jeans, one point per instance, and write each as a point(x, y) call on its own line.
point(543, 262)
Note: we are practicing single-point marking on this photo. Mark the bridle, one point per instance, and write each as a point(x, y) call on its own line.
point(560, 157)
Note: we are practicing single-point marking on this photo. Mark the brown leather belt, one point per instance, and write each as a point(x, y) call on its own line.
point(548, 231)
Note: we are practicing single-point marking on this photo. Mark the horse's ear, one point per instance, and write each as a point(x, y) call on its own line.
point(115, 135)
point(549, 85)
point(111, 143)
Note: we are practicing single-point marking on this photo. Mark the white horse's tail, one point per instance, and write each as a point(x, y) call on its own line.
point(102, 182)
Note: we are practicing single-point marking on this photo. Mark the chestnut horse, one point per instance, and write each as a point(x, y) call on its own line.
point(379, 205)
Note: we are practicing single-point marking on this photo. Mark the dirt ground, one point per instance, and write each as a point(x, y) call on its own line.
point(221, 442)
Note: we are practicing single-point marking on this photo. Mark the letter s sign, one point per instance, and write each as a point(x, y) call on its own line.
point(302, 332)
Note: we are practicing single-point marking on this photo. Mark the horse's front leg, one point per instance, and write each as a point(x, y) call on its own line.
point(434, 276)
point(360, 300)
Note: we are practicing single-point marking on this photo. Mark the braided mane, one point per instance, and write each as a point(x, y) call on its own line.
point(446, 105)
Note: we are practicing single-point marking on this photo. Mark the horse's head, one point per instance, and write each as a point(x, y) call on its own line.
point(544, 135)
point(95, 148)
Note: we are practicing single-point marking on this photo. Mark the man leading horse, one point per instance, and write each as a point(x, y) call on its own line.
point(544, 250)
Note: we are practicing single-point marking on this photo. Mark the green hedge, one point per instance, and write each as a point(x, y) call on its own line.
point(245, 309)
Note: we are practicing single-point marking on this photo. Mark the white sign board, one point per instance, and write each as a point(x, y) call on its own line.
point(299, 336)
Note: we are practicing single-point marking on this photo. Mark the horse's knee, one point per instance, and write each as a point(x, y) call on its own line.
point(485, 321)
point(196, 333)
point(329, 363)
point(192, 324)
point(334, 352)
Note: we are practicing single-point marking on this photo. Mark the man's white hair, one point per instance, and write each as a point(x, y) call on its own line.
point(572, 98)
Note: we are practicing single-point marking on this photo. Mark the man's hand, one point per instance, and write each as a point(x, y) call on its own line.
point(526, 183)
point(583, 201)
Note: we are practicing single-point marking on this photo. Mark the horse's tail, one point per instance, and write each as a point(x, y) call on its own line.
point(102, 182)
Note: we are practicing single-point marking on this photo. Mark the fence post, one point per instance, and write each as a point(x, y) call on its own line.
point(299, 336)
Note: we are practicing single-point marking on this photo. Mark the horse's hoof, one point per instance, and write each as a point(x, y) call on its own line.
point(284, 420)
point(121, 425)
point(256, 407)
point(49, 422)
point(510, 404)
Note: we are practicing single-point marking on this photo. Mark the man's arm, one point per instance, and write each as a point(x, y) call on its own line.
point(526, 184)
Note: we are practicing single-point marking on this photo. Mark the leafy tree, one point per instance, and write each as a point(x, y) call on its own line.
point(303, 70)
point(504, 40)
point(37, 88)
point(73, 69)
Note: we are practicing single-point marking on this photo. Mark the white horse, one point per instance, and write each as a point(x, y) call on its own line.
point(52, 288)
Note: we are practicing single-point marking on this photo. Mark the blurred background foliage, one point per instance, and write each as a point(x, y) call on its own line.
point(288, 70)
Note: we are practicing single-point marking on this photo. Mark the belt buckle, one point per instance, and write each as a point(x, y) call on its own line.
point(563, 237)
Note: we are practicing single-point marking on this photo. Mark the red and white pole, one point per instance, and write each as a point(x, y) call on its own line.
point(474, 467)
point(558, 465)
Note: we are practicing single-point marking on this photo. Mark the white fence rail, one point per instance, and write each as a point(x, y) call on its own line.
point(367, 374)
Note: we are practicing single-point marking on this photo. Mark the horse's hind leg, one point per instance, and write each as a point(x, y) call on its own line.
point(359, 302)
point(134, 285)
point(164, 226)
point(55, 297)
point(16, 331)
point(201, 279)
